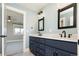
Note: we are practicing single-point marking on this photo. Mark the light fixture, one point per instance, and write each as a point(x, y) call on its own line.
point(9, 18)
point(40, 12)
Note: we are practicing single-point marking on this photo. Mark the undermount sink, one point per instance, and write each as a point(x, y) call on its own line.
point(51, 35)
point(39, 34)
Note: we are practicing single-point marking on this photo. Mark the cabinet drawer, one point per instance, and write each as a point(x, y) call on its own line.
point(31, 38)
point(42, 40)
point(49, 51)
point(68, 46)
point(34, 38)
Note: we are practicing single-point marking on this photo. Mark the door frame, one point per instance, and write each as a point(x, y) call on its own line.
point(24, 25)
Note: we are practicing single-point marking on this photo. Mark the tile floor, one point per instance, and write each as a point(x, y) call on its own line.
point(13, 48)
point(24, 54)
point(16, 49)
point(27, 53)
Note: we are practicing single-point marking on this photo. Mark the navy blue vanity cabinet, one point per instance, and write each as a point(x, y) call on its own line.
point(37, 46)
point(32, 45)
point(59, 52)
point(66, 46)
point(52, 47)
point(49, 51)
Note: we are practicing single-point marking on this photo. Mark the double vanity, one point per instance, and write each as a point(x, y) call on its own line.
point(52, 45)
point(56, 45)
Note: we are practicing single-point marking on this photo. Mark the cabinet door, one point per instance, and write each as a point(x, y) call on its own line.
point(42, 46)
point(32, 46)
point(62, 53)
point(36, 47)
point(32, 38)
point(40, 52)
point(36, 39)
point(49, 51)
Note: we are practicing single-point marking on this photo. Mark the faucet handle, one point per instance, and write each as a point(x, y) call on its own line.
point(69, 35)
point(60, 35)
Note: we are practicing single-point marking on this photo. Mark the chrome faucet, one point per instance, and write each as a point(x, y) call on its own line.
point(64, 33)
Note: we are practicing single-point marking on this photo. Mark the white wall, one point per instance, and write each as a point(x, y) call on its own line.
point(78, 18)
point(51, 21)
point(31, 22)
point(0, 28)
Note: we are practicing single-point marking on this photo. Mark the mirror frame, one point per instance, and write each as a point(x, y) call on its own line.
point(74, 5)
point(42, 19)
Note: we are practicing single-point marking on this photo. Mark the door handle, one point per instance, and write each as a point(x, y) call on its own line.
point(2, 36)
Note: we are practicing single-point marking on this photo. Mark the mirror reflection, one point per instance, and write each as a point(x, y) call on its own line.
point(41, 24)
point(66, 18)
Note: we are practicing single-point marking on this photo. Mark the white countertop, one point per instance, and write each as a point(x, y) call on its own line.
point(55, 36)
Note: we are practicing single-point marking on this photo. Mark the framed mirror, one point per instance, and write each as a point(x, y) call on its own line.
point(67, 16)
point(41, 24)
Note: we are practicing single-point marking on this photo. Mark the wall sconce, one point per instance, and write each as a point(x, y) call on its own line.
point(40, 12)
point(9, 18)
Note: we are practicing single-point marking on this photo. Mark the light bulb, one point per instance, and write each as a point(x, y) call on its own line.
point(9, 20)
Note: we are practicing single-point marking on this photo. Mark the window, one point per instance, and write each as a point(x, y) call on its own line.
point(18, 31)
point(22, 30)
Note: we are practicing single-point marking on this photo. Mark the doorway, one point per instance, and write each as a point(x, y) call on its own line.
point(14, 29)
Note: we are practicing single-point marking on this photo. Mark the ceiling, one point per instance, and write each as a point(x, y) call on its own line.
point(36, 6)
point(33, 6)
point(61, 5)
point(15, 17)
